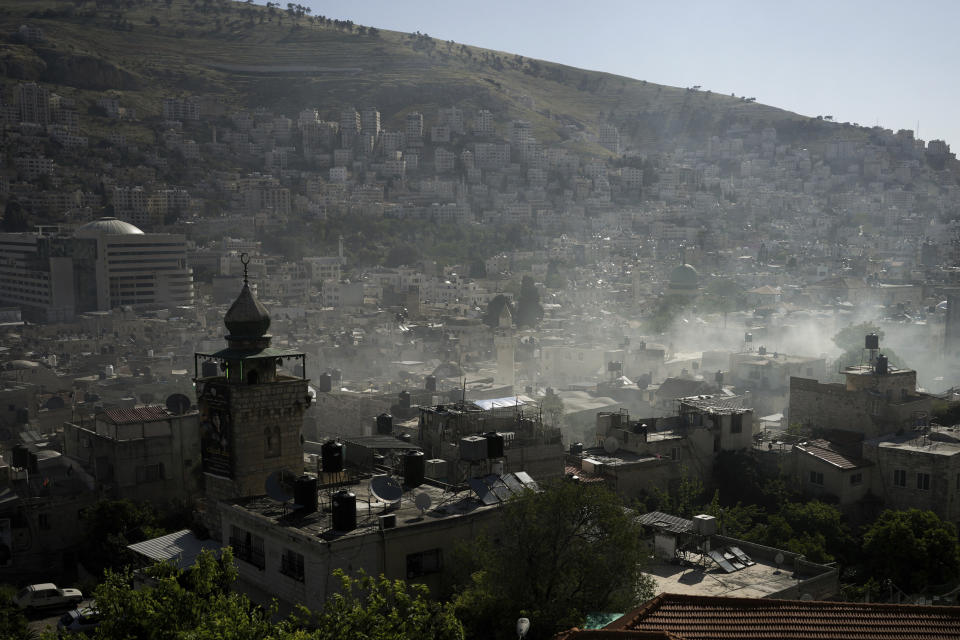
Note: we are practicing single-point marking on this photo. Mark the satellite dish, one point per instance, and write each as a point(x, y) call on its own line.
point(611, 444)
point(806, 597)
point(279, 485)
point(178, 403)
point(385, 489)
point(56, 402)
point(423, 502)
point(523, 626)
point(778, 558)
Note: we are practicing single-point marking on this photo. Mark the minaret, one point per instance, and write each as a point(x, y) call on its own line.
point(251, 416)
point(503, 340)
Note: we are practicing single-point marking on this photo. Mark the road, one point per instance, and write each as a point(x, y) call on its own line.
point(41, 620)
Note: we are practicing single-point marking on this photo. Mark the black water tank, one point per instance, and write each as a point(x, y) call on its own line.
point(305, 493)
point(882, 365)
point(494, 444)
point(414, 468)
point(872, 341)
point(405, 399)
point(576, 448)
point(430, 383)
point(384, 424)
point(324, 383)
point(332, 456)
point(344, 511)
point(209, 369)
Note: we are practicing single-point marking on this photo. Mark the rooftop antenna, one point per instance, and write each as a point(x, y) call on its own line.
point(244, 260)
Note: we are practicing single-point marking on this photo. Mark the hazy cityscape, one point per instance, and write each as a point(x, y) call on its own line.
point(312, 329)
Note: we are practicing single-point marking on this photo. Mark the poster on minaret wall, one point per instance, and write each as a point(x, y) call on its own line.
point(216, 432)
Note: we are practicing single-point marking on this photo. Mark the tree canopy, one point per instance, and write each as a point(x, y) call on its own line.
point(529, 309)
point(558, 555)
point(198, 604)
point(913, 548)
point(494, 308)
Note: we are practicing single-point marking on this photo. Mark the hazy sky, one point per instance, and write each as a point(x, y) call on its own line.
point(887, 62)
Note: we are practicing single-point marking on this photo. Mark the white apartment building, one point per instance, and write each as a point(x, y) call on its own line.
point(52, 275)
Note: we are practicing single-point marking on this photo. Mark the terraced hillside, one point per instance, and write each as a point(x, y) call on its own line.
point(239, 54)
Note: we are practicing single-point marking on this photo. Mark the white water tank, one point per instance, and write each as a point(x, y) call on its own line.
point(108, 371)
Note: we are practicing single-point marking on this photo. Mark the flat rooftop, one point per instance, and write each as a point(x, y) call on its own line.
point(444, 504)
point(760, 580)
point(937, 442)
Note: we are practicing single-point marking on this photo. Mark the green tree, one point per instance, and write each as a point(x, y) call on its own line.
point(559, 554)
point(850, 339)
point(198, 604)
point(529, 309)
point(368, 607)
point(913, 548)
point(494, 308)
point(109, 526)
point(13, 624)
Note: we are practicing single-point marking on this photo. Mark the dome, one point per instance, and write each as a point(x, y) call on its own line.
point(684, 277)
point(247, 318)
point(107, 226)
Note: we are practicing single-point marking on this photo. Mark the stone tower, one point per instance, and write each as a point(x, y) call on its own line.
point(251, 416)
point(503, 340)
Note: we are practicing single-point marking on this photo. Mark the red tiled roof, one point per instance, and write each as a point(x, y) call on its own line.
point(694, 617)
point(825, 451)
point(614, 634)
point(137, 414)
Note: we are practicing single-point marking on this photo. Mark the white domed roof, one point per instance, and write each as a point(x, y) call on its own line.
point(107, 226)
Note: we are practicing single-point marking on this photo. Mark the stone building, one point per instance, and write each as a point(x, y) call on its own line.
point(251, 413)
point(637, 457)
point(876, 399)
point(141, 454)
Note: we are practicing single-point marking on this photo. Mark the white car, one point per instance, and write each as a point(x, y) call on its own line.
point(47, 596)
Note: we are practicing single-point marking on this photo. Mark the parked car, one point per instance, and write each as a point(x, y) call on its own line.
point(79, 620)
point(47, 596)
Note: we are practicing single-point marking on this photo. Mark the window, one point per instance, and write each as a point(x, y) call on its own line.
point(424, 563)
point(816, 477)
point(675, 453)
point(899, 477)
point(271, 436)
point(923, 481)
point(291, 564)
point(247, 546)
point(736, 423)
point(150, 473)
point(856, 479)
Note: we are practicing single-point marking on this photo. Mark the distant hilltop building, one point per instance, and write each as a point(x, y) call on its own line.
point(52, 275)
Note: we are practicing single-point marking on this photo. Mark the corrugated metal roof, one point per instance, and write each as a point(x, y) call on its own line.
point(824, 450)
point(137, 414)
point(666, 522)
point(499, 403)
point(181, 548)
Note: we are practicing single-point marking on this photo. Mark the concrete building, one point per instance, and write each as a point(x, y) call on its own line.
point(141, 454)
point(107, 263)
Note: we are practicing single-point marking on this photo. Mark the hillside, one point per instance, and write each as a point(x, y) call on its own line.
point(243, 55)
